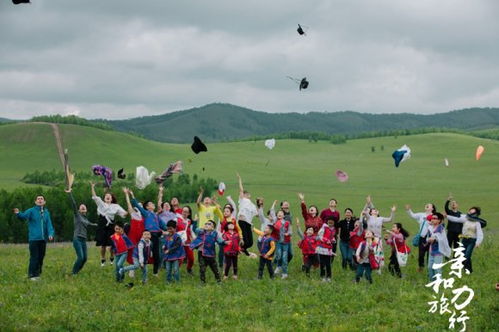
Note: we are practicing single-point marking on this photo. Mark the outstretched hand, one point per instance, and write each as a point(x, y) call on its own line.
point(394, 208)
point(301, 196)
point(407, 207)
point(15, 210)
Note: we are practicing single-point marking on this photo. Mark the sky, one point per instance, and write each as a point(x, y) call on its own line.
point(119, 59)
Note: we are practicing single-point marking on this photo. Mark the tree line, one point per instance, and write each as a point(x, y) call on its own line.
point(14, 230)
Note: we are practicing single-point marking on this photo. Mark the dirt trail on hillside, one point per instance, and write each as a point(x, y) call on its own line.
point(58, 142)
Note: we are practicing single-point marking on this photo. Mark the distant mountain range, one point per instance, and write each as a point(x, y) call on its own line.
point(219, 122)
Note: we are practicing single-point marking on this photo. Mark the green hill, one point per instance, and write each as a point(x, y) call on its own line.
point(293, 165)
point(218, 122)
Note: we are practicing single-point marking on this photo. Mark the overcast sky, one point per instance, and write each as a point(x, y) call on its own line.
point(118, 58)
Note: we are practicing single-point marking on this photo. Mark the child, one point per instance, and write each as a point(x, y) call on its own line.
point(396, 238)
point(120, 245)
point(438, 243)
point(364, 254)
point(308, 246)
point(267, 249)
point(221, 228)
point(282, 235)
point(141, 254)
point(173, 251)
point(326, 237)
point(184, 229)
point(231, 249)
point(205, 243)
point(247, 210)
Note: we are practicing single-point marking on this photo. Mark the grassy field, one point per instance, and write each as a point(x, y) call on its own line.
point(93, 301)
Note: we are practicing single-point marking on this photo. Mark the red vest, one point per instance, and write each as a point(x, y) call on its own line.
point(231, 249)
point(355, 239)
point(327, 238)
point(277, 229)
point(308, 245)
point(225, 222)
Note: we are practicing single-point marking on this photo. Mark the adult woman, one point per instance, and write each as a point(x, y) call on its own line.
point(107, 209)
point(423, 221)
point(247, 211)
point(311, 216)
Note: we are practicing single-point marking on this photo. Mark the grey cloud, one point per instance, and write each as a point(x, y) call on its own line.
point(119, 59)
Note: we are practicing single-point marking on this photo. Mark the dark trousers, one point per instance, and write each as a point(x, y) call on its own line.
point(335, 246)
point(309, 260)
point(230, 260)
point(453, 239)
point(221, 255)
point(361, 269)
point(394, 267)
point(424, 250)
point(204, 262)
point(247, 236)
point(80, 245)
point(155, 251)
point(469, 245)
point(36, 255)
point(325, 264)
point(265, 262)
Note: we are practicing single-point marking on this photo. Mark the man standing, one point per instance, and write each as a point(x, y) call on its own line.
point(40, 231)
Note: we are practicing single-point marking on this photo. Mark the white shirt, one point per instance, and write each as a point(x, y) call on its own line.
point(247, 210)
point(108, 210)
point(421, 219)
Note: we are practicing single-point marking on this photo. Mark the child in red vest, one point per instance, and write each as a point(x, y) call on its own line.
point(186, 232)
point(267, 249)
point(231, 248)
point(308, 246)
point(326, 237)
point(120, 245)
point(356, 238)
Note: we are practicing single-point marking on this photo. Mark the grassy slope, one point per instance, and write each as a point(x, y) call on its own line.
point(92, 300)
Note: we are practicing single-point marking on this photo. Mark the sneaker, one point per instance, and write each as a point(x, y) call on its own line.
point(234, 277)
point(226, 277)
point(277, 270)
point(156, 275)
point(102, 262)
point(328, 280)
point(111, 262)
point(284, 276)
point(131, 274)
point(34, 278)
point(324, 280)
point(252, 255)
point(121, 272)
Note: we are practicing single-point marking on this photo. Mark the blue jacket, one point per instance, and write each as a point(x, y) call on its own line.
point(39, 223)
point(173, 243)
point(206, 240)
point(151, 220)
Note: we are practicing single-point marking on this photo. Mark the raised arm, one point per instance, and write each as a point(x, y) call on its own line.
point(273, 215)
point(136, 204)
point(304, 211)
point(22, 215)
point(392, 215)
point(72, 200)
point(300, 232)
point(241, 188)
point(160, 197)
point(234, 206)
point(413, 215)
point(200, 197)
point(461, 219)
point(258, 232)
point(128, 203)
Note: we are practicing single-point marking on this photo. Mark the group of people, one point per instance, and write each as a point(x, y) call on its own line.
point(166, 235)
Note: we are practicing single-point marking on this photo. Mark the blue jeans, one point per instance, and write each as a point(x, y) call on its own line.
point(119, 261)
point(172, 271)
point(80, 245)
point(135, 266)
point(346, 254)
point(469, 245)
point(364, 268)
point(437, 259)
point(283, 255)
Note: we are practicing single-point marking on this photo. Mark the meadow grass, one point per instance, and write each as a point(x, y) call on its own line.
point(93, 301)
